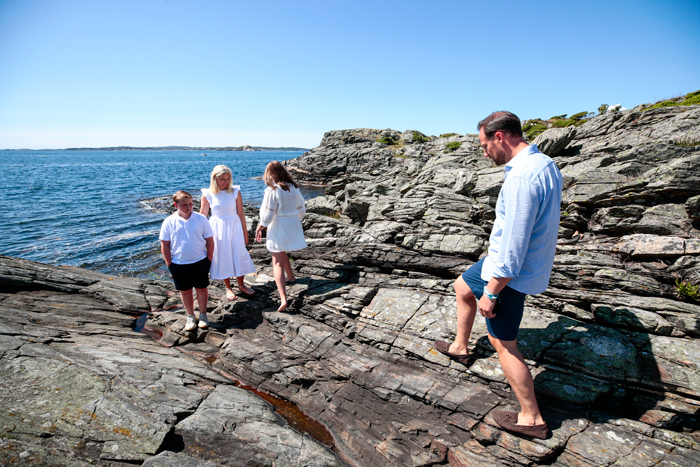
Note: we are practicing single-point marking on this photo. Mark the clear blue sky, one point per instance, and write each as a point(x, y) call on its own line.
point(87, 73)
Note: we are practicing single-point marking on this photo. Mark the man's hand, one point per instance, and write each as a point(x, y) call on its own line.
point(486, 306)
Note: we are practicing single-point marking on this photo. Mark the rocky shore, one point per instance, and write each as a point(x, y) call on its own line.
point(348, 375)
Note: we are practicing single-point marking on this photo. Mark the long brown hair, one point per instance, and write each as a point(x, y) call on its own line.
point(277, 176)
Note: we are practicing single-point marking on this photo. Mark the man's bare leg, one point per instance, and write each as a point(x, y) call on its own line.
point(466, 312)
point(520, 379)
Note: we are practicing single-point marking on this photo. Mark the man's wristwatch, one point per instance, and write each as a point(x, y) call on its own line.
point(489, 295)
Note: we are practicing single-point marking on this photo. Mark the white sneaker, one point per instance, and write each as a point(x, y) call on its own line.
point(203, 321)
point(191, 323)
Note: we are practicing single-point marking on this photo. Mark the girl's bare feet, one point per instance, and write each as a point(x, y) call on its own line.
point(230, 295)
point(282, 307)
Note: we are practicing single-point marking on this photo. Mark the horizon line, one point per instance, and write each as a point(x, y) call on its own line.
point(170, 147)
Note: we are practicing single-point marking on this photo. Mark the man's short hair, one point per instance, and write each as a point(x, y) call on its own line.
point(504, 121)
point(180, 195)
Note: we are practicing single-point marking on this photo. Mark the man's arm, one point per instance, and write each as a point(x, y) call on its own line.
point(165, 250)
point(522, 206)
point(521, 209)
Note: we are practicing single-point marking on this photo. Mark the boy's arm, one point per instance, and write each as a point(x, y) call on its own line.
point(210, 247)
point(165, 249)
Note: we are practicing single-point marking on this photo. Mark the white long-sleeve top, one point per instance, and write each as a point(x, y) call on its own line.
point(281, 212)
point(280, 203)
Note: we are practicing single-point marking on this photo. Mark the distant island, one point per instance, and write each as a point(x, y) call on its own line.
point(186, 148)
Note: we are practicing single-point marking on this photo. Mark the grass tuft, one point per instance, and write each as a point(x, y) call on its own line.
point(453, 146)
point(692, 98)
point(687, 290)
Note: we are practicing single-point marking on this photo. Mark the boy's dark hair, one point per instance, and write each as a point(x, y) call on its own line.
point(504, 121)
point(180, 195)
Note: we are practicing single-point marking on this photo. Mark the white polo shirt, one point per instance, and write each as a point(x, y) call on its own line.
point(187, 237)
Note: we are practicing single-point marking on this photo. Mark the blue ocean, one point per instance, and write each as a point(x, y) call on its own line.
point(90, 209)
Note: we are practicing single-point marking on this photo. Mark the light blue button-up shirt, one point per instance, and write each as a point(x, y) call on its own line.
point(524, 236)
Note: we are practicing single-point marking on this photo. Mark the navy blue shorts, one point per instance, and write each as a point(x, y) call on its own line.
point(187, 276)
point(509, 305)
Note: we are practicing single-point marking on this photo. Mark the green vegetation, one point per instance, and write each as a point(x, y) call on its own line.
point(536, 126)
point(602, 109)
point(580, 116)
point(692, 98)
point(576, 120)
point(688, 142)
point(447, 135)
point(334, 215)
point(453, 146)
point(420, 137)
point(562, 123)
point(388, 140)
point(687, 290)
point(532, 128)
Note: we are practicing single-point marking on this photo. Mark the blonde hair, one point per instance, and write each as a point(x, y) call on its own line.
point(277, 176)
point(180, 195)
point(218, 171)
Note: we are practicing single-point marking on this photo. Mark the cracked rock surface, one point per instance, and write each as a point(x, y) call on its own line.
point(350, 368)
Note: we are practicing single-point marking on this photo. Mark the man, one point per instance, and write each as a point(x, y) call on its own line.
point(519, 262)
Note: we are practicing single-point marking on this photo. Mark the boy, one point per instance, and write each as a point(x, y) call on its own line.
point(187, 244)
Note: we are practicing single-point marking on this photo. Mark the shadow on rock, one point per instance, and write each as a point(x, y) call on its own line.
point(608, 370)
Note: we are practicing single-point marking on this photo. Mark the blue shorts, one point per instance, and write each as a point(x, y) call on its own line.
point(509, 305)
point(187, 276)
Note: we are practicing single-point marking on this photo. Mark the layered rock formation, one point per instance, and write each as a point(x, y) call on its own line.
point(80, 387)
point(613, 346)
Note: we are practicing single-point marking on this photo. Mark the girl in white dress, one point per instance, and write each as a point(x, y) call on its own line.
point(281, 213)
point(231, 258)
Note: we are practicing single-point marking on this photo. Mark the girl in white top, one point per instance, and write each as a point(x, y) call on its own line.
point(281, 212)
point(231, 258)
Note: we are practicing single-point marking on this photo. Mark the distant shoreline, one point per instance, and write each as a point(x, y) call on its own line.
point(170, 148)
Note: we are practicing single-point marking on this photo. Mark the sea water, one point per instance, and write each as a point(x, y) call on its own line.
point(86, 209)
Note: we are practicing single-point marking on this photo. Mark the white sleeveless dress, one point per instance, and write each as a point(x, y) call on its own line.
point(281, 212)
point(231, 258)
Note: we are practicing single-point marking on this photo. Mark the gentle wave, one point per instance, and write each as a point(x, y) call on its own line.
point(95, 209)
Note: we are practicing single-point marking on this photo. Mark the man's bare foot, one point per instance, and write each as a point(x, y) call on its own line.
point(282, 307)
point(454, 350)
point(531, 421)
point(230, 295)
